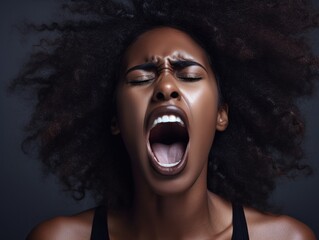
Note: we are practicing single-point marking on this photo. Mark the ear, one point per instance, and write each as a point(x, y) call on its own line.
point(222, 118)
point(115, 130)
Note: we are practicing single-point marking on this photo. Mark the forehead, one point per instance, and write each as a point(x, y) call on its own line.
point(164, 43)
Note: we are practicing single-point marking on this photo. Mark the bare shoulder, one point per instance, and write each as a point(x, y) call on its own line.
point(269, 226)
point(77, 227)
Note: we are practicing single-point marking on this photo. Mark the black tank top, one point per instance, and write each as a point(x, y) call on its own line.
point(100, 230)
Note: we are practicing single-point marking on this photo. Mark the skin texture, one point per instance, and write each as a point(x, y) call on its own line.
point(198, 99)
point(177, 206)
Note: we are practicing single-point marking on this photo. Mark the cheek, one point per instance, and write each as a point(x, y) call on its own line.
point(131, 108)
point(128, 111)
point(203, 103)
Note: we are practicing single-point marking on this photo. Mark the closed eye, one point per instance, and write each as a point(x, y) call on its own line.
point(141, 79)
point(189, 71)
point(141, 74)
point(190, 78)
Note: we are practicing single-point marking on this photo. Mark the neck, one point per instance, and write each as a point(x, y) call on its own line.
point(174, 216)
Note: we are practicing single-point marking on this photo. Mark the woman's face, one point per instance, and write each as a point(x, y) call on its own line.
point(167, 110)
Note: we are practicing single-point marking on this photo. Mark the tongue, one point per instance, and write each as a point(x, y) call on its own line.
point(167, 154)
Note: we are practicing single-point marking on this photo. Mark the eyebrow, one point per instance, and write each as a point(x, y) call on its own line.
point(185, 63)
point(174, 63)
point(144, 66)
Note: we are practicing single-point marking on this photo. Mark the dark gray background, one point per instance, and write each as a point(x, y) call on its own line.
point(28, 198)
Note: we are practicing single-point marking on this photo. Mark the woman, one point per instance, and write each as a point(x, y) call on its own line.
point(167, 112)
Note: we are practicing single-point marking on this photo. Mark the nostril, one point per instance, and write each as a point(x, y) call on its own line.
point(174, 94)
point(159, 96)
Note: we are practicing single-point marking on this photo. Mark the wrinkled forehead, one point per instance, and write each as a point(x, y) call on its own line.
point(164, 43)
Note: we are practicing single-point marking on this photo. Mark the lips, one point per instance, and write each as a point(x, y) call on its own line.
point(167, 139)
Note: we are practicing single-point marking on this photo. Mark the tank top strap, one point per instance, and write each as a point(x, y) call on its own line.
point(100, 230)
point(240, 231)
point(99, 226)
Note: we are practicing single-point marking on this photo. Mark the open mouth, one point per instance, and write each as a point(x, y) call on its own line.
point(168, 140)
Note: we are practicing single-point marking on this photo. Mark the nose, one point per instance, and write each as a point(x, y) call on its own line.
point(166, 89)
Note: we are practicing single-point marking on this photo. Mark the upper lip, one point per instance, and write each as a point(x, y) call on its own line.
point(166, 110)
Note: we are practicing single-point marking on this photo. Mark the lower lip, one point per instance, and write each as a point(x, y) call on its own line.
point(168, 170)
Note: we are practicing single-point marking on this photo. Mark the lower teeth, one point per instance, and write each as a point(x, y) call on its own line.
point(168, 164)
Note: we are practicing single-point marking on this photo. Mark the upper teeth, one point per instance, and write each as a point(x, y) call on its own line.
point(168, 118)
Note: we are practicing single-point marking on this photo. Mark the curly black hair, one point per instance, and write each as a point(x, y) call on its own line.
point(258, 49)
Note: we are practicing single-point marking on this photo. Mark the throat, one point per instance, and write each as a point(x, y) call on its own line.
point(174, 217)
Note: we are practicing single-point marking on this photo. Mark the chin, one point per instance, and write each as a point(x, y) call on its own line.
point(172, 185)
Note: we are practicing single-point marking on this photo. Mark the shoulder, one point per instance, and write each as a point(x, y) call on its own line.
point(77, 227)
point(270, 226)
